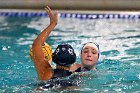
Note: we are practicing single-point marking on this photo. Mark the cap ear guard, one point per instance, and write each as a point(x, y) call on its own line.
point(64, 55)
point(98, 49)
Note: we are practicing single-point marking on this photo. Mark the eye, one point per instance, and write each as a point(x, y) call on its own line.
point(85, 51)
point(57, 50)
point(94, 52)
point(70, 51)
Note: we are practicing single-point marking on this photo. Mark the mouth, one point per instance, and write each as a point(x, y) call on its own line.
point(88, 59)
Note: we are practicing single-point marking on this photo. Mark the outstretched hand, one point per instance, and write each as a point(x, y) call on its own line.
point(53, 16)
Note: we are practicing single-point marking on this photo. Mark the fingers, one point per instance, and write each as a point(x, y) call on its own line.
point(49, 11)
point(52, 16)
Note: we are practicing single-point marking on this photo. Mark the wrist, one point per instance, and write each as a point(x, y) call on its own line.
point(53, 23)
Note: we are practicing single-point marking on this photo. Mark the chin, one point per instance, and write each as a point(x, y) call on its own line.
point(88, 65)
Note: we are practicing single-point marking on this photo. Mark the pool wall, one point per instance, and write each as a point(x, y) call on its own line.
point(72, 4)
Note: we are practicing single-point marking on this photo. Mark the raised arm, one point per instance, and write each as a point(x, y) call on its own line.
point(43, 68)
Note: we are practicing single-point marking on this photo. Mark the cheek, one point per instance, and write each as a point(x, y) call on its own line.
point(82, 57)
point(95, 57)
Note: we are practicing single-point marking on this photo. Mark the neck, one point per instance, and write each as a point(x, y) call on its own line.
point(89, 67)
point(62, 67)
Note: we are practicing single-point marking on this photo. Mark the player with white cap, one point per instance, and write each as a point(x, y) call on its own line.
point(89, 58)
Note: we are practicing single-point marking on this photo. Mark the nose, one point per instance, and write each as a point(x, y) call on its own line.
point(89, 54)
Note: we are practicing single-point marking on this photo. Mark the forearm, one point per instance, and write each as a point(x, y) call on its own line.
point(44, 34)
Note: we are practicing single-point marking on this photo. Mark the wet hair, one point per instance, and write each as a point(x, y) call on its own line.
point(64, 55)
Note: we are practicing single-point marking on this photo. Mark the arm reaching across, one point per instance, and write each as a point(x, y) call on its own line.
point(43, 68)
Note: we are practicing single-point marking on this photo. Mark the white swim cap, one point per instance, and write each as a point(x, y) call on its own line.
point(95, 46)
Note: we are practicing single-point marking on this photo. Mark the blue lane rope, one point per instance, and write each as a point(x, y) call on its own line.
point(73, 15)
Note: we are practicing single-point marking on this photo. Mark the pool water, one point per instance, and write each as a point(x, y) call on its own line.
point(118, 69)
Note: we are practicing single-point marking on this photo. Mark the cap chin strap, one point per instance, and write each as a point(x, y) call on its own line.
point(62, 67)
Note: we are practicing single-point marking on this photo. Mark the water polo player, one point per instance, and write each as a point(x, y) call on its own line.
point(89, 58)
point(63, 56)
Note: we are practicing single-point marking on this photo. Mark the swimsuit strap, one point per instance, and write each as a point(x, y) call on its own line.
point(85, 69)
point(62, 67)
point(78, 69)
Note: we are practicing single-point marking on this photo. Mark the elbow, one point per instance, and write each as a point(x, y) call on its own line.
point(36, 43)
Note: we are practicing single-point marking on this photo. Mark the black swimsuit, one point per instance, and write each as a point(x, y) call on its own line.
point(57, 80)
point(82, 69)
point(61, 73)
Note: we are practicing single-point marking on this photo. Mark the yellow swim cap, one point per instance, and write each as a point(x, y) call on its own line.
point(46, 49)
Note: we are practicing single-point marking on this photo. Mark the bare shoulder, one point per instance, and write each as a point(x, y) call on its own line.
point(74, 67)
